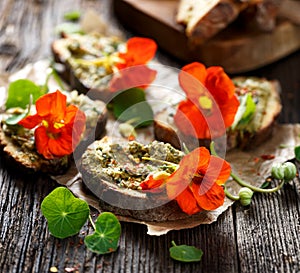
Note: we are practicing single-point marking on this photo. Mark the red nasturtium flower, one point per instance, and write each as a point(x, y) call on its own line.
point(58, 127)
point(132, 69)
point(197, 183)
point(211, 106)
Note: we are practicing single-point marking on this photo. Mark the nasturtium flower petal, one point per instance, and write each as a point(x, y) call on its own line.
point(211, 199)
point(187, 202)
point(53, 104)
point(139, 51)
point(30, 122)
point(219, 84)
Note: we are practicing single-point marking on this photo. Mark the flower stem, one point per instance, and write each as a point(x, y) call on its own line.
point(92, 222)
point(173, 243)
point(256, 189)
point(231, 196)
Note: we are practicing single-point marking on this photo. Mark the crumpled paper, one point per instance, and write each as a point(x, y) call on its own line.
point(250, 165)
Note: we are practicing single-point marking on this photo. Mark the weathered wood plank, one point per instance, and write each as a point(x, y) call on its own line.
point(261, 239)
point(267, 232)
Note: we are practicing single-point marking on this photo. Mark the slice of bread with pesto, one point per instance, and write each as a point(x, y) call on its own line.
point(18, 143)
point(85, 61)
point(259, 107)
point(113, 170)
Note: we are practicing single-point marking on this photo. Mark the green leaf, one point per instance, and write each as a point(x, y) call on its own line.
point(297, 152)
point(106, 236)
point(245, 111)
point(266, 184)
point(184, 253)
point(19, 92)
point(72, 15)
point(132, 105)
point(14, 119)
point(65, 213)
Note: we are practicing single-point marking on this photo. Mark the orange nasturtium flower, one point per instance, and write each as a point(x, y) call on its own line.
point(131, 65)
point(58, 127)
point(196, 185)
point(211, 106)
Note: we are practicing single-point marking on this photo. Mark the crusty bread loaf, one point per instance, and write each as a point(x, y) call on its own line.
point(203, 19)
point(257, 131)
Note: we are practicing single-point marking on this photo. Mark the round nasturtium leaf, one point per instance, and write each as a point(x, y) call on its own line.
point(65, 213)
point(106, 236)
point(185, 253)
point(19, 92)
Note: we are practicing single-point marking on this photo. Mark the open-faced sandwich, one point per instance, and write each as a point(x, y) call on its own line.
point(244, 109)
point(153, 182)
point(91, 62)
point(44, 136)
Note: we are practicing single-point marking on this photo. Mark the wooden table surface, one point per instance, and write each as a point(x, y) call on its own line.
point(262, 238)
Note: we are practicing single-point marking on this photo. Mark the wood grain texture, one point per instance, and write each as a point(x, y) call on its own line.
point(263, 238)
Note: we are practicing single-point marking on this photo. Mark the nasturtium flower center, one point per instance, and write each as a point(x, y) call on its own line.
point(58, 125)
point(45, 123)
point(205, 103)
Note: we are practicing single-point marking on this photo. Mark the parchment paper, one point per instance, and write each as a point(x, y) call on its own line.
point(249, 165)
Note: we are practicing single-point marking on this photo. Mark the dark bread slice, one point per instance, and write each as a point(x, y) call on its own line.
point(261, 127)
point(18, 146)
point(135, 203)
point(72, 47)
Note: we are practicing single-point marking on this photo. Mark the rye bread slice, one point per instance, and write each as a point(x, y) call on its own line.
point(127, 202)
point(262, 123)
point(17, 143)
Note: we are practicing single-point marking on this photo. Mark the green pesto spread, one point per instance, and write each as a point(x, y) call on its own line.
point(91, 57)
point(260, 91)
point(124, 164)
